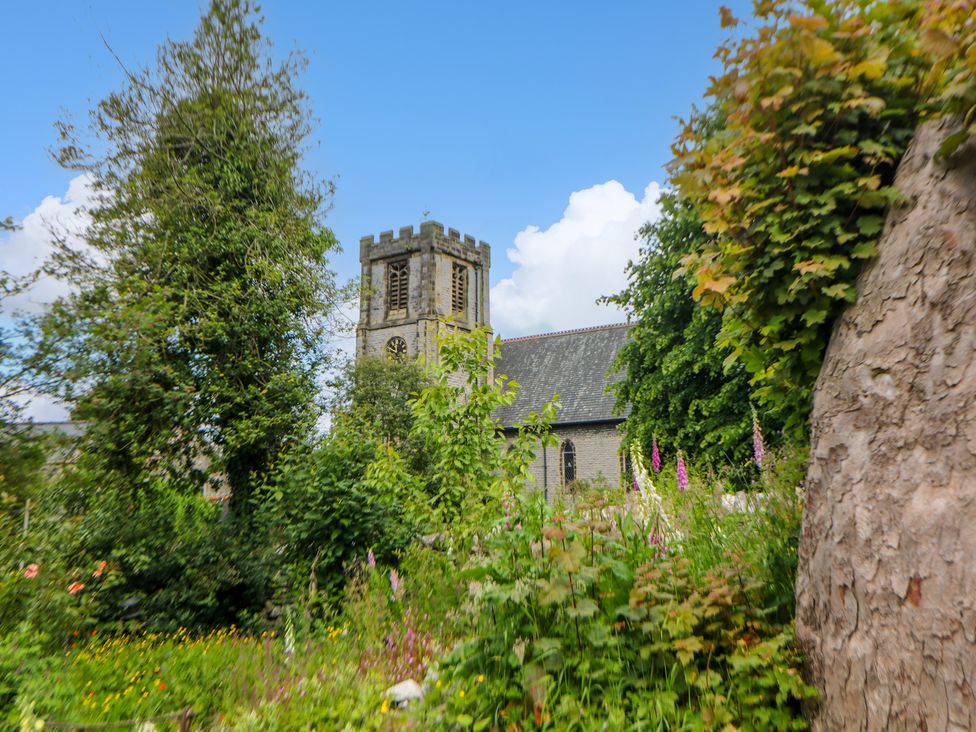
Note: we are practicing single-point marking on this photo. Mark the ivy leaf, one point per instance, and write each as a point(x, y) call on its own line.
point(728, 20)
point(840, 291)
point(951, 144)
point(793, 171)
point(875, 105)
point(864, 250)
point(870, 225)
point(818, 50)
point(814, 317)
point(938, 43)
point(809, 267)
point(871, 182)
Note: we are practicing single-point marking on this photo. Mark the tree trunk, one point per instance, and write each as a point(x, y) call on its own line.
point(886, 593)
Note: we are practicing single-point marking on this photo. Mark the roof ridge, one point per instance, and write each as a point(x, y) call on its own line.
point(566, 332)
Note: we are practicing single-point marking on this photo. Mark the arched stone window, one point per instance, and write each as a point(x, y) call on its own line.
point(567, 454)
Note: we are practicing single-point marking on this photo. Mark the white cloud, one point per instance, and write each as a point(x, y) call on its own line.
point(26, 249)
point(562, 270)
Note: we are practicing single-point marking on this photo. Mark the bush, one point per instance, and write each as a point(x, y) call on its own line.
point(322, 513)
point(589, 618)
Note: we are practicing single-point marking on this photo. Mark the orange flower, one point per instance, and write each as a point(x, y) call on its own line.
point(101, 568)
point(75, 587)
point(31, 571)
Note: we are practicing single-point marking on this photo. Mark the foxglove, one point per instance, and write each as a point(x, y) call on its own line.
point(758, 449)
point(655, 456)
point(682, 473)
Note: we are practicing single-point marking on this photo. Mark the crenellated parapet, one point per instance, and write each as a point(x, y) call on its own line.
point(431, 237)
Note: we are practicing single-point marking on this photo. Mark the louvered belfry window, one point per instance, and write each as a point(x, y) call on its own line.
point(459, 288)
point(397, 285)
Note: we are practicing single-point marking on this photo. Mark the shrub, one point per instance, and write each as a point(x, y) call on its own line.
point(322, 512)
point(588, 618)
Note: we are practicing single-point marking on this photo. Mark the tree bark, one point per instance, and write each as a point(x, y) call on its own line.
point(886, 593)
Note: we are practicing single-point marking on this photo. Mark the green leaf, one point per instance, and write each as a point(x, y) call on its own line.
point(870, 225)
point(951, 144)
point(585, 608)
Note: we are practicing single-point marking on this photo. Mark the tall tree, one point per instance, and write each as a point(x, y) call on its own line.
point(675, 380)
point(191, 343)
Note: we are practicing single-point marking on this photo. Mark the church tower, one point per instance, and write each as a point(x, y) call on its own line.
point(415, 284)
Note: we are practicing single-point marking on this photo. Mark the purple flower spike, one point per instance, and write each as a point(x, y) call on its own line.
point(394, 581)
point(655, 539)
point(655, 456)
point(370, 559)
point(682, 474)
point(634, 485)
point(758, 449)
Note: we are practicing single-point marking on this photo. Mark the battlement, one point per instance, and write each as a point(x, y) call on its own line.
point(430, 236)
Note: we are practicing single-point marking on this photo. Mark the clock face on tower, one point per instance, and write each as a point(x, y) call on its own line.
point(396, 348)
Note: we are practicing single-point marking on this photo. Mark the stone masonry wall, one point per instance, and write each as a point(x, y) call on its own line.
point(597, 455)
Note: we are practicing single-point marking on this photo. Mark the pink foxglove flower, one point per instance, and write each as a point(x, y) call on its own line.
point(655, 456)
point(758, 449)
point(655, 539)
point(682, 473)
point(370, 559)
point(31, 571)
point(394, 582)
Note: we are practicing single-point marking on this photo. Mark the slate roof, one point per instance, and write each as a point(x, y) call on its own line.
point(573, 364)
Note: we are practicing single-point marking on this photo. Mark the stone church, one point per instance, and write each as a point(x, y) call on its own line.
point(418, 281)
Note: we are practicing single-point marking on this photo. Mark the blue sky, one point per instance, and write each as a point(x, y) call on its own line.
point(536, 126)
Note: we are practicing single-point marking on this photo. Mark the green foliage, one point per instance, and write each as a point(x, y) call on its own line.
point(321, 512)
point(374, 393)
point(231, 680)
point(172, 557)
point(762, 534)
point(581, 621)
point(468, 458)
point(819, 105)
point(674, 380)
point(948, 39)
point(191, 344)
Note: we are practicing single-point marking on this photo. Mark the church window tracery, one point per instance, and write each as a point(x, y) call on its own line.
point(568, 458)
